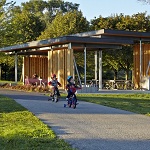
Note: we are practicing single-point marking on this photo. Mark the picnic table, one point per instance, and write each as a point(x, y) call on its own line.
point(36, 81)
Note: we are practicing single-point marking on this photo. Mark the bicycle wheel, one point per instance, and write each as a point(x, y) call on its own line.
point(69, 102)
point(74, 102)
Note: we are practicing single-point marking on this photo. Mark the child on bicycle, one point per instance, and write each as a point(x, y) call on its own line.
point(54, 84)
point(71, 87)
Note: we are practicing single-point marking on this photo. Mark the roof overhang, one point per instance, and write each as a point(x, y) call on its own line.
point(116, 33)
point(92, 42)
point(101, 39)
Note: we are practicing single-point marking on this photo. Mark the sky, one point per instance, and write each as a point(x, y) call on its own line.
point(105, 8)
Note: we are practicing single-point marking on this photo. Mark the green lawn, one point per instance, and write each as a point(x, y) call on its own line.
point(138, 103)
point(13, 82)
point(21, 130)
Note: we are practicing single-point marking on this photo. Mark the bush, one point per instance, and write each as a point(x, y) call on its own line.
point(28, 87)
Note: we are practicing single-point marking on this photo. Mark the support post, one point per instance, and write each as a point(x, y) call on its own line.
point(140, 62)
point(16, 61)
point(100, 70)
point(0, 72)
point(23, 77)
point(50, 65)
point(85, 66)
point(75, 65)
point(96, 67)
point(58, 62)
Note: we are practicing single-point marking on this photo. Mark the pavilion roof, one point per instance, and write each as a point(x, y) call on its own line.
point(92, 40)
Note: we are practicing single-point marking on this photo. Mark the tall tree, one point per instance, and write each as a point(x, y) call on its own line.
point(5, 17)
point(66, 24)
point(26, 27)
point(6, 61)
point(47, 10)
point(145, 1)
point(118, 60)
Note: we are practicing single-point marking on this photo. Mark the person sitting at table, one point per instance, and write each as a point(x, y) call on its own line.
point(35, 76)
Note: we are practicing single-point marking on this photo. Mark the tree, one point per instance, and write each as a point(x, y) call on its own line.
point(5, 17)
point(90, 65)
point(26, 22)
point(126, 59)
point(54, 7)
point(47, 10)
point(118, 60)
point(145, 1)
point(136, 22)
point(66, 24)
point(26, 27)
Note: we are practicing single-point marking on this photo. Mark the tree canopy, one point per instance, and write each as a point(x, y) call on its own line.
point(66, 24)
point(145, 1)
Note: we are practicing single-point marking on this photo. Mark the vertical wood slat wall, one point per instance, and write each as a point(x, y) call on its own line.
point(38, 65)
point(136, 62)
point(59, 62)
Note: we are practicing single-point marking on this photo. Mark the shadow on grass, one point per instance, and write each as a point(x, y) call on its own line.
point(27, 143)
point(16, 142)
point(8, 105)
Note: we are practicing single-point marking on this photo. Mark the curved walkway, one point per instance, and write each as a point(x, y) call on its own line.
point(89, 126)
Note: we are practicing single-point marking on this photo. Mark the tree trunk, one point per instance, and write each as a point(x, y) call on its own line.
point(127, 74)
point(115, 75)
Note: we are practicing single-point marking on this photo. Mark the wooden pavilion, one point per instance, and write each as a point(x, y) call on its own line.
point(55, 55)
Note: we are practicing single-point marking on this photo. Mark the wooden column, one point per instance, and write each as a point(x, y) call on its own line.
point(140, 63)
point(50, 64)
point(16, 66)
point(96, 67)
point(100, 70)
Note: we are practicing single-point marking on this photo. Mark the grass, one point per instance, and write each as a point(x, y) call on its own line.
point(138, 103)
point(21, 130)
point(13, 82)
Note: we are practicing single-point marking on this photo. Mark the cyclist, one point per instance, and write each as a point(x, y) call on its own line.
point(54, 85)
point(71, 87)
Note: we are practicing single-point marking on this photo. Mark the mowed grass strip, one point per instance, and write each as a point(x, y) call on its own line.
point(138, 103)
point(21, 130)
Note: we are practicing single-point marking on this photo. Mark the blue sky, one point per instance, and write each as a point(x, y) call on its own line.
point(105, 8)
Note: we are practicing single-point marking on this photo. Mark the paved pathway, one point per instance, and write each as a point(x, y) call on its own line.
point(89, 126)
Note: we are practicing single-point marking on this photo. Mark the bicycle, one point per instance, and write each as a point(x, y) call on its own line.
point(55, 96)
point(72, 100)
